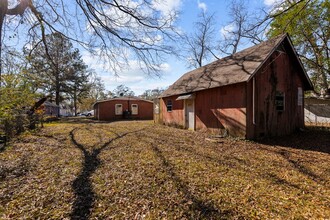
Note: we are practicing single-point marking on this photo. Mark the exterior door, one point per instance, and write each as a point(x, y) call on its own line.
point(135, 109)
point(118, 109)
point(190, 114)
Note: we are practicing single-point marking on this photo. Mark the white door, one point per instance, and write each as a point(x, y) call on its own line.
point(190, 114)
point(135, 109)
point(118, 109)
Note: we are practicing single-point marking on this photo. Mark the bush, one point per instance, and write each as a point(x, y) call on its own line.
point(16, 98)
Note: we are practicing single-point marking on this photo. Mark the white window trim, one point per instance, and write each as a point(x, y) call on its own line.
point(168, 105)
point(116, 106)
point(137, 108)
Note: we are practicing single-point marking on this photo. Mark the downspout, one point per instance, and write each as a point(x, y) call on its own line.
point(254, 100)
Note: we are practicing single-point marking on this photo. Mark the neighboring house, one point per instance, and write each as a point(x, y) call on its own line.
point(51, 109)
point(317, 111)
point(65, 110)
point(254, 93)
point(123, 108)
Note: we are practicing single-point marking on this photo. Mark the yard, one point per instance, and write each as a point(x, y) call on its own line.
point(81, 169)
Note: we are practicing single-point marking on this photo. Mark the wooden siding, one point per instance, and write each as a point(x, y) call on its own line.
point(51, 110)
point(106, 110)
point(222, 109)
point(216, 110)
point(278, 74)
point(176, 116)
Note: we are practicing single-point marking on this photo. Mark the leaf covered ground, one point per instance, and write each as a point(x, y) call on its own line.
point(139, 170)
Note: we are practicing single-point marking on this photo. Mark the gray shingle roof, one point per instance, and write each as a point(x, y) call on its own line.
point(236, 68)
point(125, 98)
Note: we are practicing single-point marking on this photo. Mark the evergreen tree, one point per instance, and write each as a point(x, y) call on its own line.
point(58, 67)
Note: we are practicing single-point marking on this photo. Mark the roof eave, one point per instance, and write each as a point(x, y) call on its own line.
point(286, 36)
point(267, 57)
point(310, 84)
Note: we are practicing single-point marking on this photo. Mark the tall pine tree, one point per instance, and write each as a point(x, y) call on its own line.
point(58, 67)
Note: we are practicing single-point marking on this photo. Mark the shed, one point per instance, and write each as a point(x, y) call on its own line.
point(254, 93)
point(123, 108)
point(51, 109)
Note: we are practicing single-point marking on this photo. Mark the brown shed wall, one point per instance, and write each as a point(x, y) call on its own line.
point(176, 116)
point(217, 110)
point(278, 74)
point(106, 110)
point(222, 108)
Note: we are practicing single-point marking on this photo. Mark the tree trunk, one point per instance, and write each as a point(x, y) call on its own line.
point(57, 90)
point(3, 11)
point(57, 85)
point(75, 101)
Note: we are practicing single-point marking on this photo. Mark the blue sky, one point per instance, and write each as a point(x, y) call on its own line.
point(173, 68)
point(138, 81)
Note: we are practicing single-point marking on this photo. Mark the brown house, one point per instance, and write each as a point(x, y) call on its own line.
point(123, 108)
point(253, 93)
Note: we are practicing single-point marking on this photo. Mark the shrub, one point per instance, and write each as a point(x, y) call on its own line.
point(16, 98)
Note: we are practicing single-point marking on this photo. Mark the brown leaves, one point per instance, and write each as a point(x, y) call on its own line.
point(138, 170)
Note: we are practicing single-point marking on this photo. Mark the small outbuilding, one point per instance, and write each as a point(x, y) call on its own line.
point(123, 108)
point(51, 109)
point(254, 93)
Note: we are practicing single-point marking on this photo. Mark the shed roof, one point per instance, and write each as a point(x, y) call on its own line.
point(47, 103)
point(123, 99)
point(236, 68)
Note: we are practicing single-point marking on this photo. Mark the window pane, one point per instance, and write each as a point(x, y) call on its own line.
point(135, 109)
point(280, 101)
point(169, 105)
point(118, 109)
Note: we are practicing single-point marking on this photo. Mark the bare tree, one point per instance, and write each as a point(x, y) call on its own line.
point(251, 26)
point(200, 44)
point(234, 32)
point(262, 20)
point(116, 30)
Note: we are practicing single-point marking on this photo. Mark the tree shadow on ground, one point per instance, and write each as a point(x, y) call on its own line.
point(82, 185)
point(312, 138)
point(82, 120)
point(90, 120)
point(198, 208)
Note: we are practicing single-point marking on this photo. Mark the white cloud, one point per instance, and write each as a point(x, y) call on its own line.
point(133, 76)
point(153, 39)
point(135, 79)
point(271, 2)
point(202, 5)
point(166, 7)
point(226, 30)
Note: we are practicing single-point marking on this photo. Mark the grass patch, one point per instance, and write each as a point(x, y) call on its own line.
point(133, 170)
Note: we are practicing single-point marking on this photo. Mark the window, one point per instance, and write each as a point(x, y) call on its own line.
point(118, 109)
point(169, 105)
point(280, 101)
point(135, 109)
point(300, 96)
